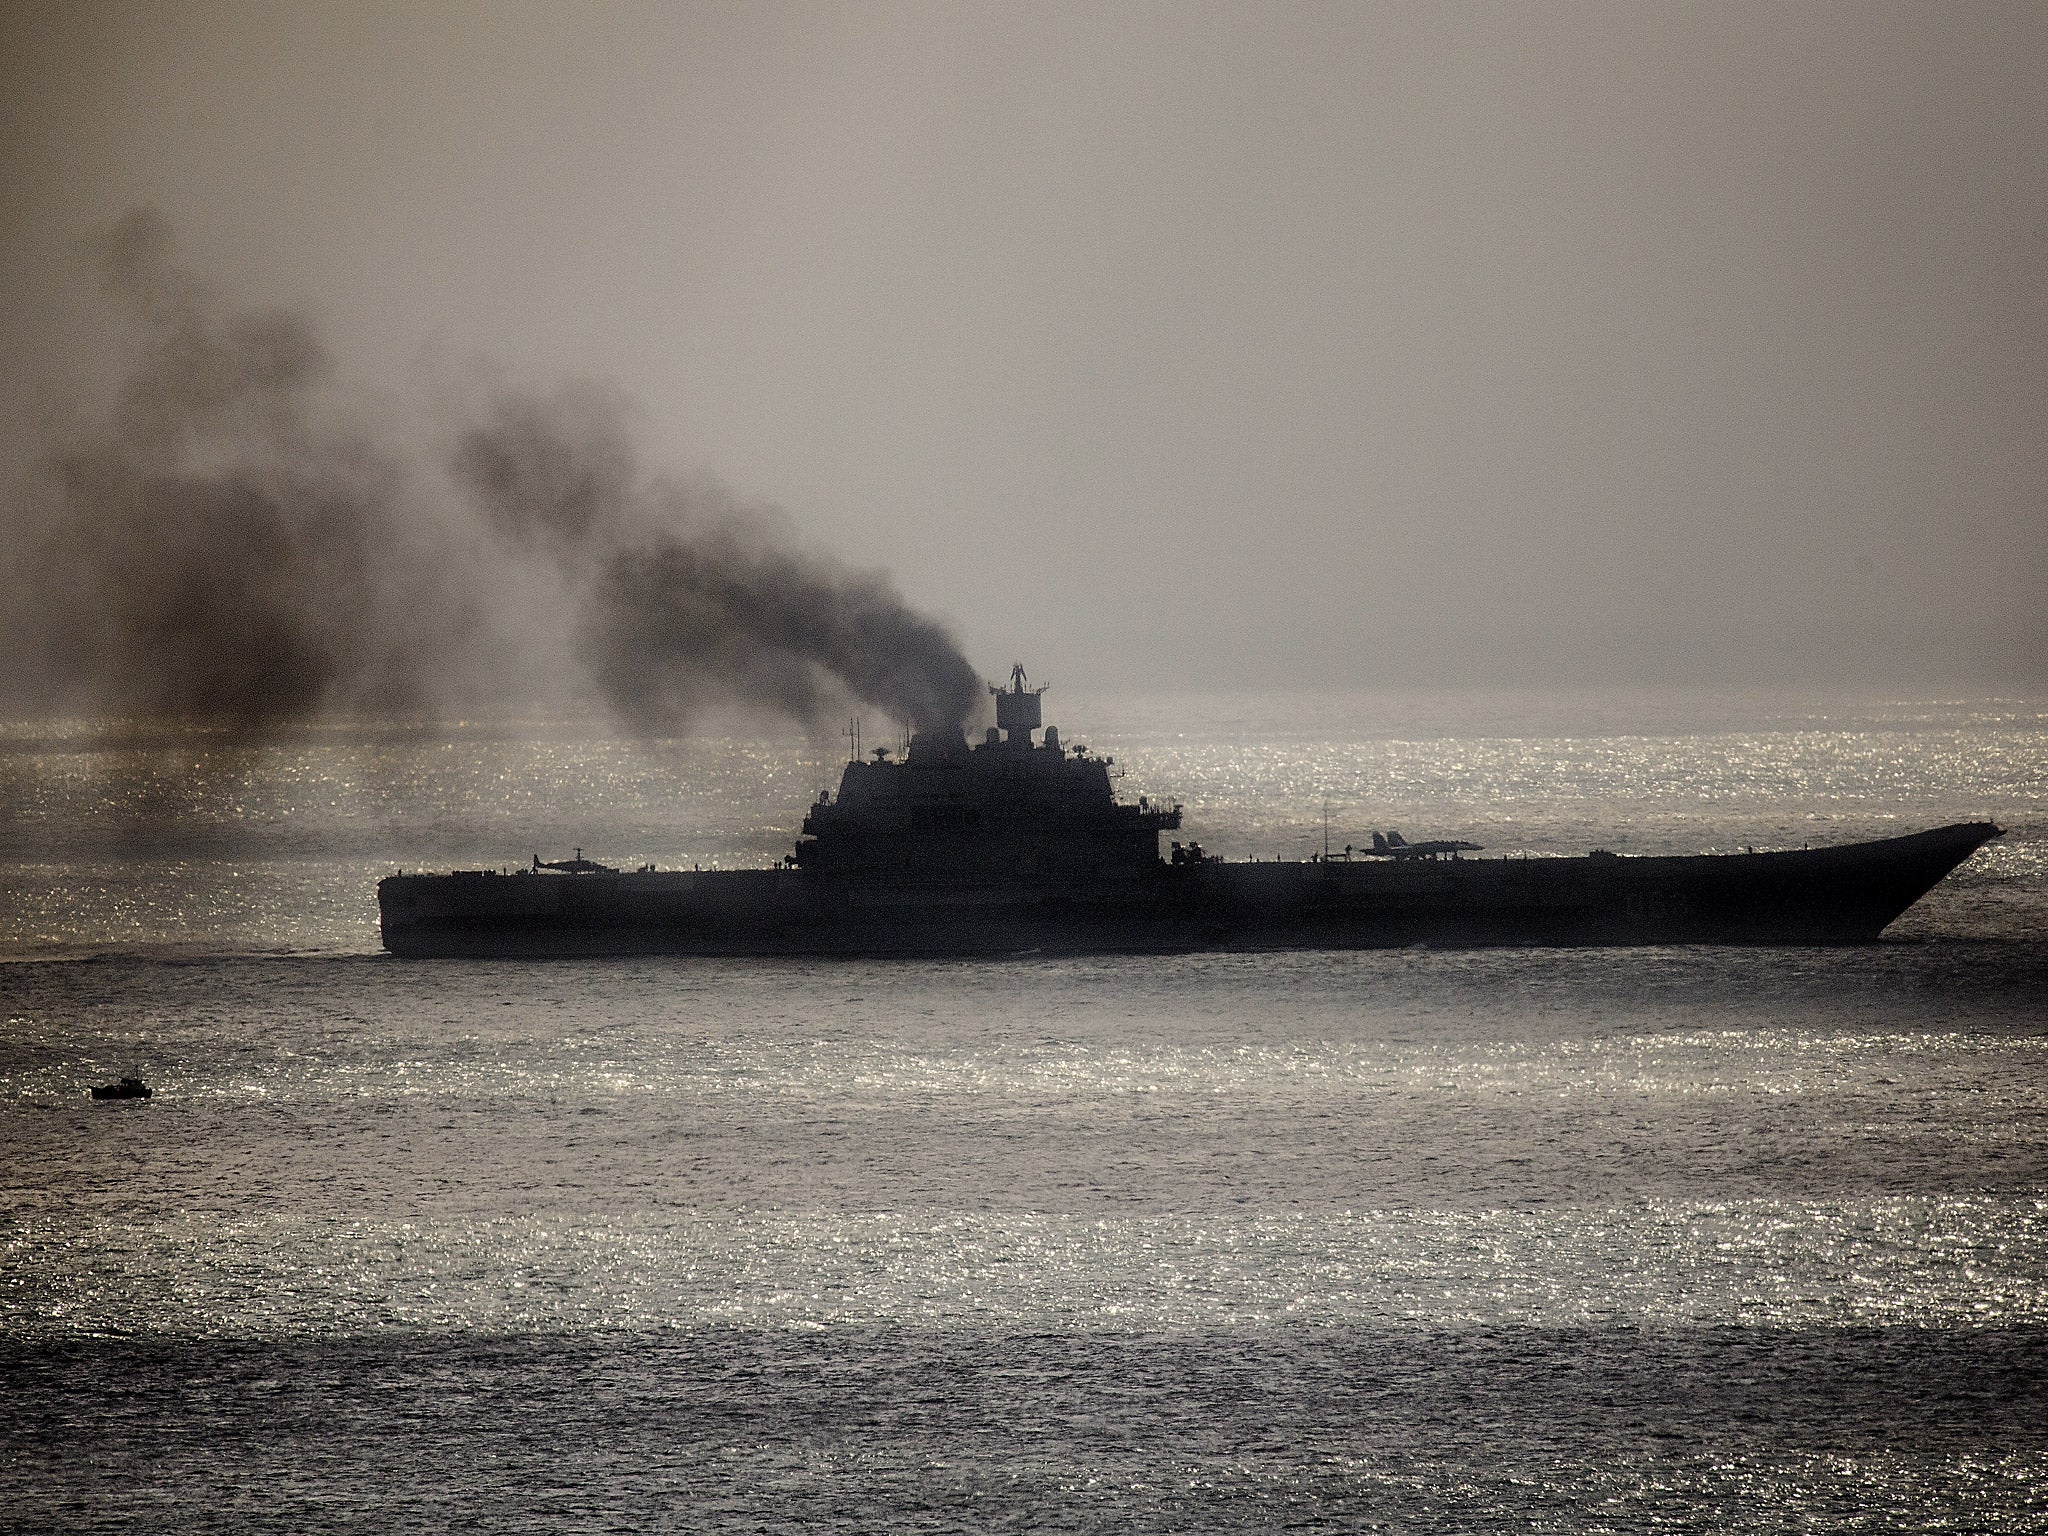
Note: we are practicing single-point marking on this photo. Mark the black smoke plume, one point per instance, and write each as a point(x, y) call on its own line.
point(688, 600)
point(233, 545)
point(215, 551)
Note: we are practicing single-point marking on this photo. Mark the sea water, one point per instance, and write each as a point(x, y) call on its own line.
point(1419, 1240)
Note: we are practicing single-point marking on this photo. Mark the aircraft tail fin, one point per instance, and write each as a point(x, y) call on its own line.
point(1396, 840)
point(1379, 843)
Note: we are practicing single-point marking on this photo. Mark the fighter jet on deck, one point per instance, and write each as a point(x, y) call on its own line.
point(1394, 846)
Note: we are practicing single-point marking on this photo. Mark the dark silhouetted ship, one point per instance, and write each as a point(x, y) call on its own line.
point(1019, 844)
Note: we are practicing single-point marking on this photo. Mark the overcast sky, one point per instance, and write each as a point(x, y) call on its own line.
point(1182, 344)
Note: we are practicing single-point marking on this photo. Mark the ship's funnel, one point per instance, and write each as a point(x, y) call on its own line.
point(937, 743)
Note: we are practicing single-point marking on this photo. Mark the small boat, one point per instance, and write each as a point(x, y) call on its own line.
point(127, 1088)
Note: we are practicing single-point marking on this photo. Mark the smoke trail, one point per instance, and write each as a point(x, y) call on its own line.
point(225, 548)
point(216, 552)
point(688, 600)
point(671, 614)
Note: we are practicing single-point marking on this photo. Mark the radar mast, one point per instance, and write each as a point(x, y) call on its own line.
point(1018, 712)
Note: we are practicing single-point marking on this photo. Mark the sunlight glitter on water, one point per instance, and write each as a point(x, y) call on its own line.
point(1897, 1262)
point(1992, 1075)
point(1491, 1240)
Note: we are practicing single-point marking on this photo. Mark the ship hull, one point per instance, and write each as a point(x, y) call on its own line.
point(1840, 895)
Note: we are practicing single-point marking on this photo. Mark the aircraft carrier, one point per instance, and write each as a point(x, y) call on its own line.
point(1017, 844)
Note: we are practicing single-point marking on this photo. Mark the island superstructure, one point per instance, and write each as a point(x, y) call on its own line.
point(1017, 844)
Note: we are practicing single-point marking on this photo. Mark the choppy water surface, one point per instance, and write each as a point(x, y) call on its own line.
point(1574, 1240)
